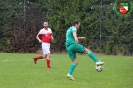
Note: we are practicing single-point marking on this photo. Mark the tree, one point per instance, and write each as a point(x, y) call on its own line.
point(116, 32)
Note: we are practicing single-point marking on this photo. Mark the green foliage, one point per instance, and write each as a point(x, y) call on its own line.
point(20, 41)
point(116, 31)
point(10, 9)
point(20, 35)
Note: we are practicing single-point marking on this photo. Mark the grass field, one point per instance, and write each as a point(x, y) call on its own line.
point(19, 71)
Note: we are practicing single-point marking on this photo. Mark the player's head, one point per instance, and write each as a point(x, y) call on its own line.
point(45, 24)
point(76, 24)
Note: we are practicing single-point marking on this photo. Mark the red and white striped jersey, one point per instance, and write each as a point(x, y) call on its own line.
point(45, 35)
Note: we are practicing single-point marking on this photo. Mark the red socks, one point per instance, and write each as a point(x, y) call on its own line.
point(41, 57)
point(38, 57)
point(48, 63)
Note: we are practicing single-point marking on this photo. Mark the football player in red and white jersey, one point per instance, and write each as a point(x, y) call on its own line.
point(44, 36)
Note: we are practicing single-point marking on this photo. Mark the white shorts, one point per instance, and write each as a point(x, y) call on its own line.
point(46, 48)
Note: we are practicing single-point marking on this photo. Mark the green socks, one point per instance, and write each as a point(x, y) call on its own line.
point(92, 56)
point(72, 68)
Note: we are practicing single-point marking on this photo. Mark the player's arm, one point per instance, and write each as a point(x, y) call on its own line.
point(52, 37)
point(38, 38)
point(75, 37)
point(81, 38)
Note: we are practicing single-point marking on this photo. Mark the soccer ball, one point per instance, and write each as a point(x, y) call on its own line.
point(99, 68)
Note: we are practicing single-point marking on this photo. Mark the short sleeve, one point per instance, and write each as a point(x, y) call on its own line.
point(74, 30)
point(50, 30)
point(40, 33)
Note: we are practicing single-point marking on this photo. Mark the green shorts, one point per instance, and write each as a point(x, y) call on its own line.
point(73, 49)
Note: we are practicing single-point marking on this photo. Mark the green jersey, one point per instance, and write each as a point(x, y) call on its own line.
point(69, 36)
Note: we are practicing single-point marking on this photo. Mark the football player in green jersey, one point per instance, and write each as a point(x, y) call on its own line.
point(73, 47)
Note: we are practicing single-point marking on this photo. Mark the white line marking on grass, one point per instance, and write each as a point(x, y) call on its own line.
point(27, 60)
point(15, 60)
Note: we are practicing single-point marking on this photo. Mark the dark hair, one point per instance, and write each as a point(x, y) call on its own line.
point(45, 21)
point(75, 22)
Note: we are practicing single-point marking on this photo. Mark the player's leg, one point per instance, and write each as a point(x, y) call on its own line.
point(47, 52)
point(71, 69)
point(73, 65)
point(81, 49)
point(48, 60)
point(39, 57)
point(72, 56)
point(93, 57)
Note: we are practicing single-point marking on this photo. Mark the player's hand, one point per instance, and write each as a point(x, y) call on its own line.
point(84, 38)
point(77, 41)
point(40, 41)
